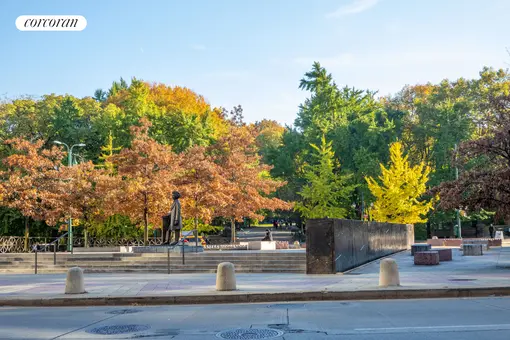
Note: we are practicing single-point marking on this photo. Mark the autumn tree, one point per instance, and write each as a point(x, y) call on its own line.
point(31, 182)
point(485, 183)
point(327, 192)
point(148, 170)
point(249, 183)
point(84, 191)
point(203, 188)
point(400, 189)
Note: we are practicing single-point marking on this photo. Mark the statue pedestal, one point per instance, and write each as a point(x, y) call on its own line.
point(164, 249)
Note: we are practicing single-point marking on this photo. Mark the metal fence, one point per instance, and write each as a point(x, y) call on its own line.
point(16, 244)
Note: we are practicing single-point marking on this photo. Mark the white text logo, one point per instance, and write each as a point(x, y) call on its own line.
point(51, 23)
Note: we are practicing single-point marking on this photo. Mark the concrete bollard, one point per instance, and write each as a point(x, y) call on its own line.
point(226, 277)
point(74, 281)
point(388, 275)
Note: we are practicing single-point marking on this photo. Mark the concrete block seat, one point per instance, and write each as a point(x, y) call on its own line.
point(483, 243)
point(444, 254)
point(426, 258)
point(417, 247)
point(472, 249)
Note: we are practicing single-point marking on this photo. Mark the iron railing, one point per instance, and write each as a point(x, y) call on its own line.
point(36, 249)
point(16, 244)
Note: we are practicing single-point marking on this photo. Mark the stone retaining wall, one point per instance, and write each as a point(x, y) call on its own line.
point(335, 245)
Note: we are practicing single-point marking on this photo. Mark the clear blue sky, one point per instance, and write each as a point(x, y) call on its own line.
point(252, 52)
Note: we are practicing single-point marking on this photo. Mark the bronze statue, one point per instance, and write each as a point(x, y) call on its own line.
point(173, 221)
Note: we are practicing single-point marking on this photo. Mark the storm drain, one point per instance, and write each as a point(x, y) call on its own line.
point(462, 280)
point(250, 333)
point(119, 329)
point(123, 311)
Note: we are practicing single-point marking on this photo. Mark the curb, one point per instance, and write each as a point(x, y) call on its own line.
point(375, 294)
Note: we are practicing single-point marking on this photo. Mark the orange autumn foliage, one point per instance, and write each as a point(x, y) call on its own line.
point(146, 173)
point(31, 181)
point(204, 190)
point(249, 184)
point(86, 191)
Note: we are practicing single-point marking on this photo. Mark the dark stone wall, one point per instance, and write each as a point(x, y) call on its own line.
point(335, 245)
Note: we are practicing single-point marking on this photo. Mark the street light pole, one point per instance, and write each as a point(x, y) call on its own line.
point(458, 210)
point(69, 163)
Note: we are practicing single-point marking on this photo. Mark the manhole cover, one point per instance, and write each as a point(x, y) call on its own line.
point(118, 329)
point(462, 280)
point(250, 333)
point(123, 311)
point(287, 305)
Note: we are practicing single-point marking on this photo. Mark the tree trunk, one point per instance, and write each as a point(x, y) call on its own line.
point(86, 238)
point(146, 228)
point(145, 222)
point(27, 234)
point(429, 234)
point(233, 228)
point(196, 234)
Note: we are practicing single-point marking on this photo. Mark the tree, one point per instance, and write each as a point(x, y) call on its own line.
point(269, 138)
point(485, 183)
point(204, 189)
point(108, 150)
point(85, 190)
point(327, 192)
point(398, 194)
point(249, 183)
point(148, 170)
point(100, 95)
point(353, 120)
point(30, 182)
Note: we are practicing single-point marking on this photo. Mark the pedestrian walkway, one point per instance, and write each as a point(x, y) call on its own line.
point(490, 270)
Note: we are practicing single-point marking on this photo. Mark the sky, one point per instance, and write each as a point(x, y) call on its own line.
point(252, 52)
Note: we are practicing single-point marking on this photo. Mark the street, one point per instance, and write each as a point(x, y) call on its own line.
point(358, 320)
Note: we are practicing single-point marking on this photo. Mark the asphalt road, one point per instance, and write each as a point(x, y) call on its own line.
point(462, 319)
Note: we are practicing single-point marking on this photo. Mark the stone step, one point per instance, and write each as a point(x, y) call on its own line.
point(161, 258)
point(159, 261)
point(154, 266)
point(148, 255)
point(48, 270)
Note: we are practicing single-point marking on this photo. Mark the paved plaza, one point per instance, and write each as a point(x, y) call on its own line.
point(490, 270)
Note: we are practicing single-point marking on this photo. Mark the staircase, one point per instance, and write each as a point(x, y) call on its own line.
point(281, 261)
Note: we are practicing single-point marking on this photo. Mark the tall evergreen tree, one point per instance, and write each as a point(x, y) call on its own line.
point(327, 192)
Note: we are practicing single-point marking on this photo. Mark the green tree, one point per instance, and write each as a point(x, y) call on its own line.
point(327, 192)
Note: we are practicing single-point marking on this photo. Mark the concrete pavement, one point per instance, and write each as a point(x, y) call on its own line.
point(452, 319)
point(464, 276)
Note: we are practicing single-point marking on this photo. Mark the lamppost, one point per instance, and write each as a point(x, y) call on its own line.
point(69, 163)
point(353, 206)
point(459, 225)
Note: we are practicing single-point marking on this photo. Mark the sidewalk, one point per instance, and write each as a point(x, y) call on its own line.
point(464, 276)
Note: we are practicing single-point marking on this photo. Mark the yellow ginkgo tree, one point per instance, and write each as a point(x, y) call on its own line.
point(399, 190)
